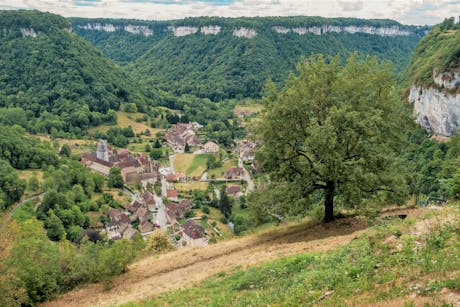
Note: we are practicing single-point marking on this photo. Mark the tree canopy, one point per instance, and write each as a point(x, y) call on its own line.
point(335, 131)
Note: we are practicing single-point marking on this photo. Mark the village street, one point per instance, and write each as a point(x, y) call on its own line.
point(161, 214)
point(247, 177)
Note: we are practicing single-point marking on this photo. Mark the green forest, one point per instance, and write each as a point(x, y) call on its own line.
point(59, 79)
point(224, 66)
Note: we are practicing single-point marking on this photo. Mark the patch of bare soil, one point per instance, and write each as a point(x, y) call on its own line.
point(183, 268)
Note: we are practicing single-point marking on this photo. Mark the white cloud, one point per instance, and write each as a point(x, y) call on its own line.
point(405, 11)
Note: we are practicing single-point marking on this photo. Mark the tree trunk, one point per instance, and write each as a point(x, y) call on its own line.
point(329, 202)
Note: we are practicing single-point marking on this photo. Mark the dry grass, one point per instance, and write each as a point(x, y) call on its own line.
point(253, 107)
point(26, 174)
point(182, 268)
point(153, 275)
point(183, 161)
point(190, 186)
point(124, 120)
point(78, 146)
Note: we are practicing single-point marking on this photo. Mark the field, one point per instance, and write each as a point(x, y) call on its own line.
point(26, 174)
point(190, 164)
point(124, 120)
point(251, 107)
point(221, 171)
point(77, 146)
point(393, 263)
point(190, 186)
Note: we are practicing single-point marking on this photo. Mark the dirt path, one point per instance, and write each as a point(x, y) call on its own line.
point(151, 276)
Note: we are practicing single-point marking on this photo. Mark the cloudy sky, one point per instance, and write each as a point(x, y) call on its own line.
point(418, 12)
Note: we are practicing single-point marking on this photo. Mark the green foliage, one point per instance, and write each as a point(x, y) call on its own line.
point(189, 214)
point(225, 204)
point(45, 269)
point(25, 212)
point(64, 82)
point(11, 187)
point(25, 152)
point(336, 129)
point(54, 226)
point(224, 66)
point(36, 262)
point(115, 179)
point(65, 151)
point(439, 51)
point(68, 190)
point(213, 163)
point(33, 184)
point(158, 242)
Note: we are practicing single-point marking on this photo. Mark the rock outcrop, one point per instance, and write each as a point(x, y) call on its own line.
point(437, 108)
point(107, 27)
point(244, 32)
point(183, 31)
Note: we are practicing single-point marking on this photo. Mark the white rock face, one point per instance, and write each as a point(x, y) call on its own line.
point(133, 29)
point(28, 32)
point(300, 31)
point(437, 111)
point(144, 30)
point(99, 27)
point(244, 32)
point(324, 29)
point(282, 30)
point(183, 31)
point(448, 80)
point(210, 30)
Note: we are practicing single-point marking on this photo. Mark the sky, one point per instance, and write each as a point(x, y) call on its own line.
point(416, 12)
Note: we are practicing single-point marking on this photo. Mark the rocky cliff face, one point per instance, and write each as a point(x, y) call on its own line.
point(249, 32)
point(437, 109)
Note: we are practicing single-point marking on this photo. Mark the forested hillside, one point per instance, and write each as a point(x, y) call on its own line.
point(221, 58)
point(439, 50)
point(61, 80)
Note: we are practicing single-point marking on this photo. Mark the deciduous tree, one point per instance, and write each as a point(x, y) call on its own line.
point(336, 131)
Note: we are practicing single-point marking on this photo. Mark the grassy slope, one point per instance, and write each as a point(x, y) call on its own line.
point(124, 120)
point(190, 164)
point(396, 262)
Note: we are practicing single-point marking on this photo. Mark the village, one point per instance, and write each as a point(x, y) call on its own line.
point(166, 194)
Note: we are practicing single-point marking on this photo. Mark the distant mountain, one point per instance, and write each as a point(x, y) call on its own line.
point(222, 58)
point(56, 75)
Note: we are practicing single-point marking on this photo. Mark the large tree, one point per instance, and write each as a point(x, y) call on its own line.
point(335, 131)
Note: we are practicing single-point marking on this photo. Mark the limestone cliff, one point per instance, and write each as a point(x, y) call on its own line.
point(437, 108)
point(435, 77)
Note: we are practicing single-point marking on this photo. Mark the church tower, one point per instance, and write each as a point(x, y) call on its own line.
point(102, 151)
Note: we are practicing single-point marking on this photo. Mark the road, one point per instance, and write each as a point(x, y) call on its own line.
point(161, 214)
point(247, 177)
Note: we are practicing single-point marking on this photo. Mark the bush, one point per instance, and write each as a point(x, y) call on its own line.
point(189, 214)
point(206, 210)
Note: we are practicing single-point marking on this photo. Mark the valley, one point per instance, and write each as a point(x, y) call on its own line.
point(228, 161)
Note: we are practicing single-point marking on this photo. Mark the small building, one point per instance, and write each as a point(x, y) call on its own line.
point(211, 147)
point(149, 201)
point(194, 234)
point(146, 228)
point(235, 191)
point(235, 173)
point(177, 211)
point(172, 195)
